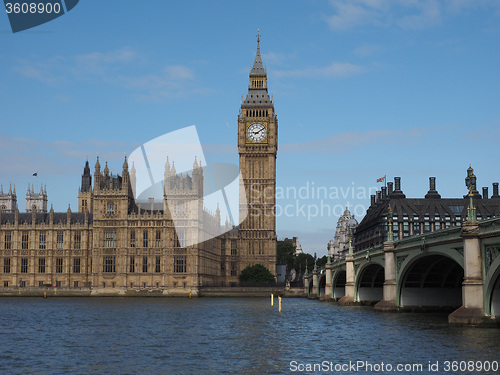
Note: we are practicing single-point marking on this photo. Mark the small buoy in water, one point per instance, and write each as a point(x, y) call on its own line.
point(44, 294)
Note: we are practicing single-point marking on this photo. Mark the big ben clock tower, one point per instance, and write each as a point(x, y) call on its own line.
point(257, 147)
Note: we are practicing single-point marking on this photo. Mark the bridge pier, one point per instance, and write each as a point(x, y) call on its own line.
point(306, 283)
point(350, 286)
point(315, 285)
point(472, 310)
point(328, 282)
point(389, 303)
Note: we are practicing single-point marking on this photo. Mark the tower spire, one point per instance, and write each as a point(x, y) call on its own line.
point(258, 67)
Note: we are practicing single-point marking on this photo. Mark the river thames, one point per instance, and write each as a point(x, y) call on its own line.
point(230, 336)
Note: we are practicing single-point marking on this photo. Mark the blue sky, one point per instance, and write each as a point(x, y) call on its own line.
point(362, 89)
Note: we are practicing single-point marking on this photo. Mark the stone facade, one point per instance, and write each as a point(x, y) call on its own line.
point(346, 226)
point(115, 245)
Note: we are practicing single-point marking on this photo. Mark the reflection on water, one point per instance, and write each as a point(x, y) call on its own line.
point(220, 336)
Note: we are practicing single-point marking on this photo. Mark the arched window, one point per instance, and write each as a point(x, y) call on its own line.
point(111, 208)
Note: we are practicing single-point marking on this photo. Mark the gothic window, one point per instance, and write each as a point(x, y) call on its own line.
point(78, 240)
point(59, 265)
point(6, 265)
point(110, 239)
point(233, 247)
point(132, 264)
point(42, 243)
point(157, 264)
point(233, 269)
point(109, 263)
point(110, 208)
point(132, 238)
point(24, 265)
point(222, 269)
point(60, 239)
point(145, 239)
point(180, 238)
point(144, 264)
point(76, 265)
point(25, 240)
point(3, 207)
point(41, 265)
point(8, 240)
point(75, 284)
point(181, 209)
point(180, 264)
point(158, 238)
point(223, 248)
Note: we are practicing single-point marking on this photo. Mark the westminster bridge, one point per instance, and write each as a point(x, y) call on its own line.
point(458, 267)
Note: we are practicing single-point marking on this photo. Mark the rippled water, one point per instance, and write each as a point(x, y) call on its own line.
point(220, 336)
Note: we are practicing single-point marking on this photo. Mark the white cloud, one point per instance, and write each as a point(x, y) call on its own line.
point(23, 156)
point(116, 68)
point(350, 141)
point(406, 14)
point(352, 13)
point(368, 50)
point(428, 14)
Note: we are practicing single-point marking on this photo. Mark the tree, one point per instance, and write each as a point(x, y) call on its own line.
point(286, 253)
point(301, 260)
point(256, 275)
point(322, 261)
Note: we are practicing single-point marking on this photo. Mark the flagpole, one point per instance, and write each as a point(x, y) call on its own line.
point(385, 181)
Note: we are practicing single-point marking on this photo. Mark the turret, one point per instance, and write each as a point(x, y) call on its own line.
point(51, 215)
point(85, 194)
point(68, 215)
point(133, 179)
point(97, 166)
point(106, 170)
point(86, 178)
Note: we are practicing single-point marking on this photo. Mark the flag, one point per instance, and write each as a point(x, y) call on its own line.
point(35, 174)
point(381, 179)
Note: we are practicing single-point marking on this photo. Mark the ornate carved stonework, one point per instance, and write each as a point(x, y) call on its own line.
point(399, 262)
point(470, 229)
point(491, 253)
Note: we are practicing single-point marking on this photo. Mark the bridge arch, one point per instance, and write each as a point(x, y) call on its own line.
point(311, 286)
point(370, 282)
point(321, 285)
point(431, 279)
point(492, 286)
point(339, 279)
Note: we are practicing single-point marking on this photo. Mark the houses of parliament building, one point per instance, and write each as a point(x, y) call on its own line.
point(113, 244)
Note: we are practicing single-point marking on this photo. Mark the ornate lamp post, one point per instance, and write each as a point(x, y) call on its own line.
point(470, 182)
point(351, 249)
point(390, 234)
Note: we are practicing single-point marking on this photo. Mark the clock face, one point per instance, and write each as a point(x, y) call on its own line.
point(256, 132)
